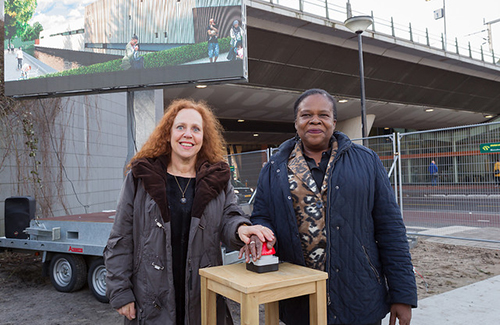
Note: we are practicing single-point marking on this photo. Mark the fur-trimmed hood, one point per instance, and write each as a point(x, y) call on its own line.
point(211, 179)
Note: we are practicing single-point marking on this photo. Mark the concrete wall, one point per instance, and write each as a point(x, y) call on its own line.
point(74, 42)
point(96, 151)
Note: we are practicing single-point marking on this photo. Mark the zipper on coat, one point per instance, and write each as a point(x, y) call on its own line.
point(159, 224)
point(140, 316)
point(328, 247)
point(157, 267)
point(190, 279)
point(371, 264)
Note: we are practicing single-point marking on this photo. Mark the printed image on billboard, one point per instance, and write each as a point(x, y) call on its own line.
point(76, 46)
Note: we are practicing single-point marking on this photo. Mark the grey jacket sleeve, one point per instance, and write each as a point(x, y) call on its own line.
point(233, 217)
point(119, 251)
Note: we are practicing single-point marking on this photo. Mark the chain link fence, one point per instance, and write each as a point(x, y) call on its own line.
point(460, 201)
point(448, 186)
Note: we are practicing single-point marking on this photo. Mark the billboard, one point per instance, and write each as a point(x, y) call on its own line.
point(75, 46)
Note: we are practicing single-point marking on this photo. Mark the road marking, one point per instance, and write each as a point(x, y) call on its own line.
point(483, 220)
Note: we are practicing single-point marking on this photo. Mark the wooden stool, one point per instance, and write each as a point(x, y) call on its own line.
point(251, 289)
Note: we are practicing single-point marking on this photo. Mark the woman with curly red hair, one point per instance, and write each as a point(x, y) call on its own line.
point(176, 205)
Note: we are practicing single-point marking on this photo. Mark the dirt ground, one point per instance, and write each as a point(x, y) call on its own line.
point(28, 298)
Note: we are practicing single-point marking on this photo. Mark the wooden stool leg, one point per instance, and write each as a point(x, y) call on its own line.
point(317, 301)
point(272, 313)
point(249, 310)
point(208, 304)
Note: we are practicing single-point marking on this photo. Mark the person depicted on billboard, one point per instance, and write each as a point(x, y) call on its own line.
point(239, 50)
point(176, 206)
point(213, 40)
point(137, 61)
point(236, 34)
point(19, 56)
point(129, 53)
point(25, 71)
point(332, 208)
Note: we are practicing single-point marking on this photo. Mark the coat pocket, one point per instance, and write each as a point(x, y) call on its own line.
point(372, 267)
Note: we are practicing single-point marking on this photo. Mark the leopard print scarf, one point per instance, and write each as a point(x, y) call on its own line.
point(309, 205)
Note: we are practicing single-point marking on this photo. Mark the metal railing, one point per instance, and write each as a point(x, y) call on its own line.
point(332, 11)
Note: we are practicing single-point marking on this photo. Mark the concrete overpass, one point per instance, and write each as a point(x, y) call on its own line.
point(290, 51)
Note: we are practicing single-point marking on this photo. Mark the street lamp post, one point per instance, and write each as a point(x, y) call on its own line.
point(358, 24)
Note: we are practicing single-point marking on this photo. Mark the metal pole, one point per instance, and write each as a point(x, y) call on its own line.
point(131, 126)
point(400, 154)
point(395, 154)
point(444, 21)
point(490, 36)
point(490, 39)
point(348, 9)
point(362, 86)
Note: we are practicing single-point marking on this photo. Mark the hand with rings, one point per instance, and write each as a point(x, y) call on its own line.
point(253, 237)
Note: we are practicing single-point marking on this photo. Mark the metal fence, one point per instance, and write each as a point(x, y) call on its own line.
point(464, 202)
point(245, 167)
point(385, 147)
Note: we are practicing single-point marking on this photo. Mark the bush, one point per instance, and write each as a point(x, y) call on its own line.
point(165, 58)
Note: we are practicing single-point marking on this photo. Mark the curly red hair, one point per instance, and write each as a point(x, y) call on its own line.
point(158, 143)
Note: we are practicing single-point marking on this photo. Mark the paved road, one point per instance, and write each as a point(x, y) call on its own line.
point(476, 203)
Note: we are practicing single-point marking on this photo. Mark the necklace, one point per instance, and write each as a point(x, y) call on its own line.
point(183, 199)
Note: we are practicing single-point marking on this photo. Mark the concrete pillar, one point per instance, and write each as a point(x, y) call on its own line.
point(352, 127)
point(144, 111)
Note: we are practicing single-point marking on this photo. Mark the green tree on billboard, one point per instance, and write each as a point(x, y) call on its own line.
point(31, 33)
point(17, 15)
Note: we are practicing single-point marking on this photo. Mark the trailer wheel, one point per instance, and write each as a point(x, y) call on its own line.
point(97, 280)
point(68, 272)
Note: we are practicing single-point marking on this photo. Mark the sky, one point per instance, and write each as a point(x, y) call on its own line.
point(58, 15)
point(464, 19)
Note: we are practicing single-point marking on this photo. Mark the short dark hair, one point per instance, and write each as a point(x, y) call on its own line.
point(135, 37)
point(314, 91)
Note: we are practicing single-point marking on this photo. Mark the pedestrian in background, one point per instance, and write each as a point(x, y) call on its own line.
point(496, 173)
point(433, 171)
point(331, 207)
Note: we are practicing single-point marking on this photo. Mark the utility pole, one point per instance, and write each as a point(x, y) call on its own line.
point(490, 36)
point(438, 14)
